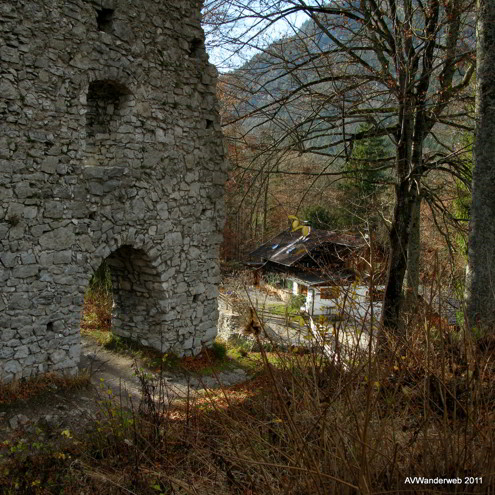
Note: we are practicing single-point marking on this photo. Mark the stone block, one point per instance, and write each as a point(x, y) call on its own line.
point(210, 334)
point(57, 356)
point(8, 90)
point(54, 209)
point(12, 367)
point(58, 239)
point(49, 164)
point(19, 302)
point(21, 352)
point(25, 271)
point(8, 260)
point(6, 352)
point(28, 258)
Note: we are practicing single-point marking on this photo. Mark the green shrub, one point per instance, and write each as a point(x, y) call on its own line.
point(296, 302)
point(114, 343)
point(170, 361)
point(219, 350)
point(101, 281)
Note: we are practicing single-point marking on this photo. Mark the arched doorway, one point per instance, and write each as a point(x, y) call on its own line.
point(137, 297)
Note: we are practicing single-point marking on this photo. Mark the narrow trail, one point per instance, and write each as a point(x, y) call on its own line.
point(108, 371)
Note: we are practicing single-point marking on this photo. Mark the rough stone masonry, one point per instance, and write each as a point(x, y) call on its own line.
point(110, 149)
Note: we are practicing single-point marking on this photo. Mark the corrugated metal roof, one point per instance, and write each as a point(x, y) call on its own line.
point(289, 247)
point(313, 279)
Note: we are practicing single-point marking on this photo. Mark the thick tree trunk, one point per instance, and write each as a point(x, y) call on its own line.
point(404, 234)
point(405, 194)
point(414, 245)
point(481, 273)
point(399, 239)
point(413, 255)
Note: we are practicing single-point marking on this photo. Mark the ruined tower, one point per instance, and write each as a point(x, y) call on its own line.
point(110, 149)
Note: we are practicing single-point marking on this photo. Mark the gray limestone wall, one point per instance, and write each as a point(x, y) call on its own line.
point(110, 149)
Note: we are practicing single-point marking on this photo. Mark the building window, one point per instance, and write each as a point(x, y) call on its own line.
point(105, 104)
point(330, 292)
point(104, 20)
point(196, 48)
point(375, 294)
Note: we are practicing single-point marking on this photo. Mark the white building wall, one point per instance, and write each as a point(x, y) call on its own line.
point(295, 287)
point(353, 301)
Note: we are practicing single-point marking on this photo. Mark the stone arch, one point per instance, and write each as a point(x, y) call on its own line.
point(138, 311)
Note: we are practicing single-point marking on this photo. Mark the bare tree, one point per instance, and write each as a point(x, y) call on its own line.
point(397, 65)
point(481, 269)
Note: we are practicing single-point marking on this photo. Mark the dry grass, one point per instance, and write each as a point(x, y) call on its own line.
point(307, 424)
point(23, 390)
point(97, 310)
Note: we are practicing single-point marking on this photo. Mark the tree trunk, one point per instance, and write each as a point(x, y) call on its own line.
point(413, 255)
point(480, 286)
point(265, 208)
point(405, 194)
point(399, 239)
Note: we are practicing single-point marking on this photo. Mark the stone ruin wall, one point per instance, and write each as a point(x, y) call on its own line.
point(110, 149)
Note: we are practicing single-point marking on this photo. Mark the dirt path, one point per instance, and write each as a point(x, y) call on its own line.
point(108, 370)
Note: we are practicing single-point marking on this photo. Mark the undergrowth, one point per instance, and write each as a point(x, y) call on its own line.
point(22, 390)
point(312, 423)
point(331, 420)
point(97, 314)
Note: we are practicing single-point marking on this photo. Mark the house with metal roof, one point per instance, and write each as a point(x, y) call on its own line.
point(324, 267)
